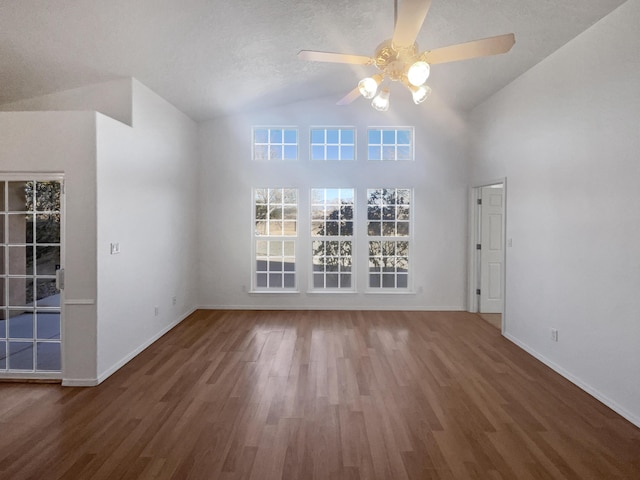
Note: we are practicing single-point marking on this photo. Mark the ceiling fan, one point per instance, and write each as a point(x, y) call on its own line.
point(399, 59)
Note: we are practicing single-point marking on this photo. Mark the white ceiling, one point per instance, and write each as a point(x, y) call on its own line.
point(214, 57)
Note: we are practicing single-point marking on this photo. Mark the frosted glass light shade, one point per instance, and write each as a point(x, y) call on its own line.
point(381, 102)
point(369, 86)
point(420, 94)
point(418, 73)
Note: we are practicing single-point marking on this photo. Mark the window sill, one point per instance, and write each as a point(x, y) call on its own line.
point(328, 292)
point(260, 292)
point(390, 291)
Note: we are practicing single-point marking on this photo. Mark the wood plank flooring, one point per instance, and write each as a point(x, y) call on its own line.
point(494, 319)
point(319, 395)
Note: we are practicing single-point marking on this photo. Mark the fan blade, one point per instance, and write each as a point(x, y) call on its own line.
point(411, 16)
point(315, 56)
point(465, 51)
point(349, 97)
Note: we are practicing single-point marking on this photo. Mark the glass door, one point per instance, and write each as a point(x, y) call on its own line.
point(30, 259)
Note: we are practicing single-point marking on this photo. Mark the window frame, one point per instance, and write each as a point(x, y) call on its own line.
point(339, 144)
point(268, 143)
point(36, 310)
point(395, 145)
point(338, 238)
point(255, 238)
point(387, 238)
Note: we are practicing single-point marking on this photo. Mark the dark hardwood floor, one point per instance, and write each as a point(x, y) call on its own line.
point(324, 395)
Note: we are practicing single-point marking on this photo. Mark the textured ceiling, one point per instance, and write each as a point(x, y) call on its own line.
point(215, 57)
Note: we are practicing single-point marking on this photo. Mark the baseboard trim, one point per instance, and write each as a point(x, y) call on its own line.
point(79, 382)
point(340, 308)
point(577, 381)
point(117, 366)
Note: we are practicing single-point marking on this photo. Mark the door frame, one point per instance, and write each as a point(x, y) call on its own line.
point(473, 256)
point(14, 176)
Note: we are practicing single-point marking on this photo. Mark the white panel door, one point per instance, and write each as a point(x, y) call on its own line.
point(492, 249)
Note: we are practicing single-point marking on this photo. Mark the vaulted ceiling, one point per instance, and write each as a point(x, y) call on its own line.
point(215, 57)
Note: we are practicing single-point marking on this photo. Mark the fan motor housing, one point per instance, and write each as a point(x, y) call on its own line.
point(393, 60)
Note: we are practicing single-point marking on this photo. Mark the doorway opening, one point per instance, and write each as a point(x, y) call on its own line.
point(488, 252)
point(31, 266)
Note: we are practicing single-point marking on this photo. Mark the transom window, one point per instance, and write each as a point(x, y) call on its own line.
point(275, 143)
point(275, 232)
point(390, 143)
point(336, 143)
point(332, 217)
point(388, 227)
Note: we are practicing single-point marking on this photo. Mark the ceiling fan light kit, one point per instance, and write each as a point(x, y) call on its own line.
point(399, 60)
point(368, 87)
point(418, 73)
point(420, 94)
point(381, 101)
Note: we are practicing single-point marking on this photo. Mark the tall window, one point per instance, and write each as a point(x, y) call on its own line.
point(388, 226)
point(390, 143)
point(275, 234)
point(275, 143)
point(332, 237)
point(336, 143)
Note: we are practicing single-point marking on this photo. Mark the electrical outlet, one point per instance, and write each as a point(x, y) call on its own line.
point(554, 334)
point(157, 310)
point(174, 300)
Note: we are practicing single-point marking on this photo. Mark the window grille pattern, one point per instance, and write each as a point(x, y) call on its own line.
point(275, 264)
point(275, 143)
point(333, 144)
point(388, 212)
point(332, 220)
point(30, 255)
point(330, 233)
point(275, 232)
point(388, 218)
point(388, 264)
point(394, 144)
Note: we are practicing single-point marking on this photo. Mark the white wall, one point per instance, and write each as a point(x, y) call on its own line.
point(147, 202)
point(438, 175)
point(109, 98)
point(566, 136)
point(64, 142)
point(132, 185)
